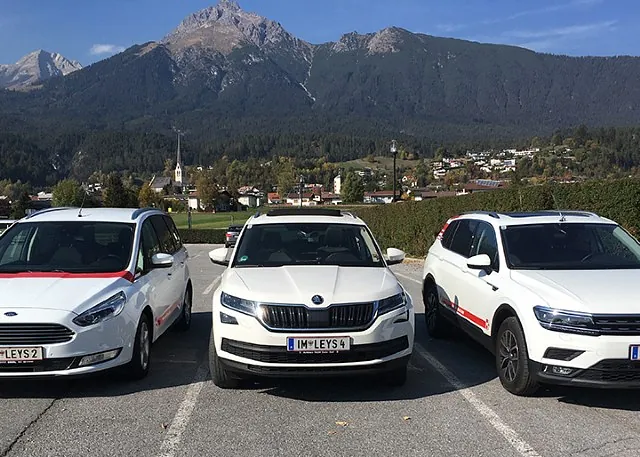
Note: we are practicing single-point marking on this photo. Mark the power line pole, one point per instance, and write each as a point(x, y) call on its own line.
point(394, 151)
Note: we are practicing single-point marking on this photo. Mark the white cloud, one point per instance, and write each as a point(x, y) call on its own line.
point(546, 10)
point(572, 30)
point(448, 28)
point(100, 49)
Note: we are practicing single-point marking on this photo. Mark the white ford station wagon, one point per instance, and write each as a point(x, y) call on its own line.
point(308, 292)
point(89, 290)
point(554, 295)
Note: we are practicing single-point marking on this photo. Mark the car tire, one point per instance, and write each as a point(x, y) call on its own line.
point(396, 377)
point(220, 376)
point(184, 321)
point(140, 363)
point(437, 325)
point(512, 359)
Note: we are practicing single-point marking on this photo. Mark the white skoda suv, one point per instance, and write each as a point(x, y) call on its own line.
point(309, 293)
point(89, 290)
point(554, 295)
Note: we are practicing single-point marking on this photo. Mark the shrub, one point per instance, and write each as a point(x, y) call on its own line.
point(413, 226)
point(203, 236)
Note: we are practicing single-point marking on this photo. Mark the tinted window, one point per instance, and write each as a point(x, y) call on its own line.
point(485, 242)
point(565, 246)
point(463, 238)
point(276, 245)
point(177, 241)
point(150, 245)
point(167, 244)
point(447, 236)
point(76, 247)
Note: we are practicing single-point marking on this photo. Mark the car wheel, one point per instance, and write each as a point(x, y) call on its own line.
point(437, 324)
point(184, 321)
point(138, 367)
point(397, 377)
point(512, 359)
point(219, 375)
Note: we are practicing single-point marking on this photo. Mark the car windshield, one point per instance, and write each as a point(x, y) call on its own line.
point(74, 247)
point(568, 246)
point(275, 245)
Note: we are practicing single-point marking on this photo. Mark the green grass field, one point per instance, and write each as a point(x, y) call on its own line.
point(211, 220)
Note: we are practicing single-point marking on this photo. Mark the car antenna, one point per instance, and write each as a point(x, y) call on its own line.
point(82, 204)
point(555, 203)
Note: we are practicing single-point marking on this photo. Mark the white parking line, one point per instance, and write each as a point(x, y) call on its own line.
point(409, 278)
point(512, 437)
point(212, 286)
point(180, 421)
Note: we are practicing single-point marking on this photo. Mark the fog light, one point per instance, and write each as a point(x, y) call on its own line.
point(99, 358)
point(402, 318)
point(563, 371)
point(226, 319)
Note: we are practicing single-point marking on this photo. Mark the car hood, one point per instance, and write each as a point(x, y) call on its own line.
point(298, 284)
point(590, 291)
point(58, 293)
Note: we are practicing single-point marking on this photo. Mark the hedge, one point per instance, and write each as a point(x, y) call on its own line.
point(413, 226)
point(203, 236)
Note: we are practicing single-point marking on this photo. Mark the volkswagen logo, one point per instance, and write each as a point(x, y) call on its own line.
point(10, 314)
point(317, 300)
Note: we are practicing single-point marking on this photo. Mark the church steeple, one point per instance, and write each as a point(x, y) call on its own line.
point(178, 173)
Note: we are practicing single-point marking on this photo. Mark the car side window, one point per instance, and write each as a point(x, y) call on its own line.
point(463, 238)
point(167, 243)
point(174, 232)
point(447, 236)
point(485, 242)
point(149, 246)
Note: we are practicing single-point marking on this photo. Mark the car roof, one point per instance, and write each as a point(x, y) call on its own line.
point(536, 217)
point(124, 215)
point(297, 216)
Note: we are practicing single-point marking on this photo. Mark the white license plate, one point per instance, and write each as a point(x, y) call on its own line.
point(634, 352)
point(302, 344)
point(20, 355)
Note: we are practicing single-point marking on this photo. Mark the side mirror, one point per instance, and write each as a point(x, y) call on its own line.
point(395, 256)
point(161, 260)
point(479, 262)
point(219, 256)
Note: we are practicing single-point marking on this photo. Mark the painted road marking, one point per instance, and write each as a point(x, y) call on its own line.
point(212, 286)
point(409, 278)
point(512, 437)
point(180, 421)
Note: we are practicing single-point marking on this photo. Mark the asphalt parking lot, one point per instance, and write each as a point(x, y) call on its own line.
point(452, 405)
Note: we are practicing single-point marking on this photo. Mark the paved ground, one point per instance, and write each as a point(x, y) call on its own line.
point(453, 405)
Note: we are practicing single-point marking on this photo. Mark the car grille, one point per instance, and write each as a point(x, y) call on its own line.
point(279, 354)
point(39, 367)
point(617, 324)
point(355, 316)
point(613, 371)
point(33, 334)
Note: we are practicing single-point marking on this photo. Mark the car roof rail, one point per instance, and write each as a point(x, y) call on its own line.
point(140, 211)
point(48, 210)
point(553, 212)
point(493, 214)
point(304, 212)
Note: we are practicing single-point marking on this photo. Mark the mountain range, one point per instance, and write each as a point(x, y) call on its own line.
point(34, 68)
point(228, 73)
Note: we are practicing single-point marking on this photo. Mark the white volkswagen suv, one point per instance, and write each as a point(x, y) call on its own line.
point(89, 290)
point(554, 295)
point(308, 292)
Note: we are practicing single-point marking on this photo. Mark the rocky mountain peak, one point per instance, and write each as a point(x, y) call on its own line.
point(35, 67)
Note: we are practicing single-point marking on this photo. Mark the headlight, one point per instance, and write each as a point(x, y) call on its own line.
point(238, 304)
point(565, 321)
point(389, 304)
point(106, 310)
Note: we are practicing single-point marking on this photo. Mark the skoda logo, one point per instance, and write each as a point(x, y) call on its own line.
point(317, 300)
point(10, 314)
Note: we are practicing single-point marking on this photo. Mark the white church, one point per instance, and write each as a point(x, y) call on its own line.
point(178, 183)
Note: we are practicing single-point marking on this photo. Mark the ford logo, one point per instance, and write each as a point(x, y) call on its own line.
point(10, 314)
point(317, 300)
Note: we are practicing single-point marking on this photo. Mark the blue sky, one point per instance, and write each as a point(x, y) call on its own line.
point(90, 30)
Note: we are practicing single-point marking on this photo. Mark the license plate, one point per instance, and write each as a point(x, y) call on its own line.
point(634, 352)
point(301, 344)
point(20, 355)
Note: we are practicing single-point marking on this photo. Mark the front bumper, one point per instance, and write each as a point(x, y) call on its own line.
point(248, 347)
point(606, 374)
point(63, 359)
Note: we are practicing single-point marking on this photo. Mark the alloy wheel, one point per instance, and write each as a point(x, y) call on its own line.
point(145, 345)
point(509, 356)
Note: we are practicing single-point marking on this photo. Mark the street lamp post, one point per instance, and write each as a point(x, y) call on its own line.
point(394, 151)
point(300, 189)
